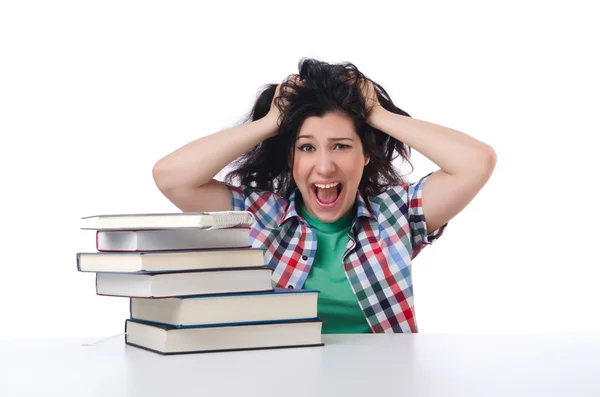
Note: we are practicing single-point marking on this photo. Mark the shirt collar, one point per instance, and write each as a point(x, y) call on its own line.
point(361, 207)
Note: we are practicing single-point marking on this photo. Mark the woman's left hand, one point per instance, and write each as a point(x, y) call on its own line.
point(370, 95)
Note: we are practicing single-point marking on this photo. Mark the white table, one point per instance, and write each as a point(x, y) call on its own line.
point(348, 365)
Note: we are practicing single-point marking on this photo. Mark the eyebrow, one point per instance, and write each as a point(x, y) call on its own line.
point(329, 139)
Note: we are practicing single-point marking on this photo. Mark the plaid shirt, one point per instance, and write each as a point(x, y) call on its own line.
point(386, 234)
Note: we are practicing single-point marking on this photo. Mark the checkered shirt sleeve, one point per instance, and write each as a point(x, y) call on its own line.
point(413, 194)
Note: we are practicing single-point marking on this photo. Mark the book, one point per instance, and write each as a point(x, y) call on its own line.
point(277, 305)
point(195, 284)
point(171, 239)
point(173, 284)
point(166, 340)
point(169, 261)
point(144, 221)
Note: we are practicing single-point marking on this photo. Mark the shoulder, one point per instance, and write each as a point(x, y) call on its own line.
point(399, 211)
point(265, 205)
point(397, 200)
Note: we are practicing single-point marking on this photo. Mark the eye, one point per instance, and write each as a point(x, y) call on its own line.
point(340, 146)
point(306, 148)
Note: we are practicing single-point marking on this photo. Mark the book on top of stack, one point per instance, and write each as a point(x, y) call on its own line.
point(195, 284)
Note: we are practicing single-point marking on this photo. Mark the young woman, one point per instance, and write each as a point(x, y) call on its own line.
point(314, 163)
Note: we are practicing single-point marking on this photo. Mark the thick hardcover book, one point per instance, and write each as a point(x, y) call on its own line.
point(221, 309)
point(167, 261)
point(200, 220)
point(171, 239)
point(176, 284)
point(167, 340)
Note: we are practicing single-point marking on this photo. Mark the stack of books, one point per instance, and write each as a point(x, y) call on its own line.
point(195, 284)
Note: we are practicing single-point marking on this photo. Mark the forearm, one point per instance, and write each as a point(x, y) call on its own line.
point(453, 151)
point(197, 162)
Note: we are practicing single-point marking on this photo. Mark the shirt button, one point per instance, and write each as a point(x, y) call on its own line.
point(304, 257)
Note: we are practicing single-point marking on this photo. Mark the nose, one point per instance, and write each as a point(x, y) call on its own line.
point(325, 164)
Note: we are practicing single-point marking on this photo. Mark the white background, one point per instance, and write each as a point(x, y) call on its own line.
point(92, 94)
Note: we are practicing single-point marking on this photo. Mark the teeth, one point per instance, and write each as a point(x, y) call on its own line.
point(326, 186)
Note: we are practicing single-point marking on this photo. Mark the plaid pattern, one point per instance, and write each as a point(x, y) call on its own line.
point(386, 234)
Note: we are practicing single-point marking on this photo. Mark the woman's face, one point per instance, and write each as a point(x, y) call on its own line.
point(328, 165)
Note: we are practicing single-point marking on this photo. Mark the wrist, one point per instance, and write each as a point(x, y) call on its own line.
point(269, 124)
point(375, 115)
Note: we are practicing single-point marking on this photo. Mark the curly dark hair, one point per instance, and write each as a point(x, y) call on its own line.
point(319, 88)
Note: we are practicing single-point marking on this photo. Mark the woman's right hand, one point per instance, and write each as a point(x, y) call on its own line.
point(274, 112)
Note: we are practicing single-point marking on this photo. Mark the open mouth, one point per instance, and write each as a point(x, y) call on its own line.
point(327, 195)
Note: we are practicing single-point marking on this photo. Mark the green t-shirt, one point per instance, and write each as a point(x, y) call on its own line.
point(337, 304)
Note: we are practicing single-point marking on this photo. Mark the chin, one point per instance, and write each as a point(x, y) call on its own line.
point(328, 216)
